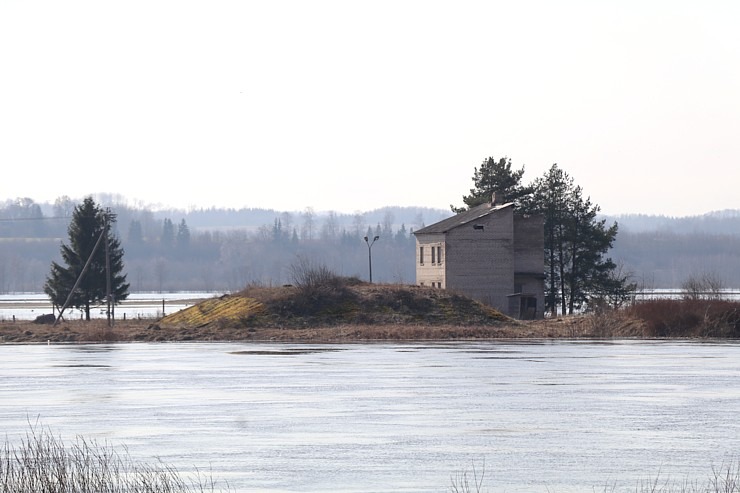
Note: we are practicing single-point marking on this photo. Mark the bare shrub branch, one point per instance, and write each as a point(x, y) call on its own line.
point(310, 276)
point(706, 286)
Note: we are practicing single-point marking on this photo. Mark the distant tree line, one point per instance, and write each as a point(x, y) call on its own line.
point(165, 252)
point(225, 249)
point(667, 259)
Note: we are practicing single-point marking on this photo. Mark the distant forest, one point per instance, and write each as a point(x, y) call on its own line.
point(225, 250)
point(663, 252)
point(218, 250)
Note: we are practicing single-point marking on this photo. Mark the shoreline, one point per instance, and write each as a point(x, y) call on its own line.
point(147, 330)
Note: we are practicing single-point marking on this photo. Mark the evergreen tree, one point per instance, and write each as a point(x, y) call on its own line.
point(183, 235)
point(277, 231)
point(589, 240)
point(168, 233)
point(549, 199)
point(495, 176)
point(576, 244)
point(87, 226)
point(401, 234)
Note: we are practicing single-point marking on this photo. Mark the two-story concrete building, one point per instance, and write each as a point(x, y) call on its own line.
point(489, 254)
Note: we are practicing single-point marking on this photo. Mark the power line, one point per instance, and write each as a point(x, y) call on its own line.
point(44, 218)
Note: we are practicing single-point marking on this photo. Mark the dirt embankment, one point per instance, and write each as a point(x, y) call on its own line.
point(340, 311)
point(79, 331)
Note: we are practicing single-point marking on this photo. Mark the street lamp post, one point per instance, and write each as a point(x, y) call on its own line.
point(370, 255)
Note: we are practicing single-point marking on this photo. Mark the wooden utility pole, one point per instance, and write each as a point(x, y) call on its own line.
point(109, 297)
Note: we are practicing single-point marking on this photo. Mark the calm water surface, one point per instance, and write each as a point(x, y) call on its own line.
point(558, 417)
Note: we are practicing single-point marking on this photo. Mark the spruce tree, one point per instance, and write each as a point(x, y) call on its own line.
point(86, 227)
point(168, 234)
point(183, 235)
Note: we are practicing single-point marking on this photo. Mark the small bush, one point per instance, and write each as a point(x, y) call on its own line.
point(47, 318)
point(320, 291)
point(311, 278)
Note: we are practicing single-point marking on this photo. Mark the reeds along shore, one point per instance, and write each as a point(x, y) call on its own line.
point(43, 463)
point(688, 317)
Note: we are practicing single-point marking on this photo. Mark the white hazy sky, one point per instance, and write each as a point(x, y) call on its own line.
point(347, 105)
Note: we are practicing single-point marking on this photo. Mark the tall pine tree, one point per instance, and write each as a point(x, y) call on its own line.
point(86, 227)
point(495, 176)
point(576, 245)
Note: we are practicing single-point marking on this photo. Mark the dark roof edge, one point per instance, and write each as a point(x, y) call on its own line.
point(462, 218)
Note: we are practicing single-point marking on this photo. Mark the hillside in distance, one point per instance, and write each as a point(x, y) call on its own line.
point(726, 222)
point(224, 250)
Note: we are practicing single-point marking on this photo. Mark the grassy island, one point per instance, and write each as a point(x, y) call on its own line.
point(338, 309)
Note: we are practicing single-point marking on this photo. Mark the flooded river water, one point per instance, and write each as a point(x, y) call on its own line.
point(551, 416)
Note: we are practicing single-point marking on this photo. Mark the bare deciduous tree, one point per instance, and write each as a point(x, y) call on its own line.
point(706, 286)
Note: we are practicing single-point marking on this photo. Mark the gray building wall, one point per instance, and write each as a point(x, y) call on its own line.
point(480, 259)
point(497, 259)
point(529, 255)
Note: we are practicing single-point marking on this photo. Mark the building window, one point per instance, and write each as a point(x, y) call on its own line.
point(439, 255)
point(434, 259)
point(421, 255)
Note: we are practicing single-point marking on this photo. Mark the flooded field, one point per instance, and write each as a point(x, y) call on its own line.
point(28, 306)
point(558, 417)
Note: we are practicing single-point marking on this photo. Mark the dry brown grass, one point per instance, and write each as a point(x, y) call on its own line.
point(688, 317)
point(339, 303)
point(384, 313)
point(147, 331)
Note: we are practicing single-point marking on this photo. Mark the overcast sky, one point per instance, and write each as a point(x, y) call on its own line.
point(346, 106)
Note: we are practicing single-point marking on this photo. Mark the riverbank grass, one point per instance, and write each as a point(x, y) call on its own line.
point(43, 463)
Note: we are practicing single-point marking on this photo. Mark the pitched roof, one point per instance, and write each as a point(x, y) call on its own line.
point(462, 218)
